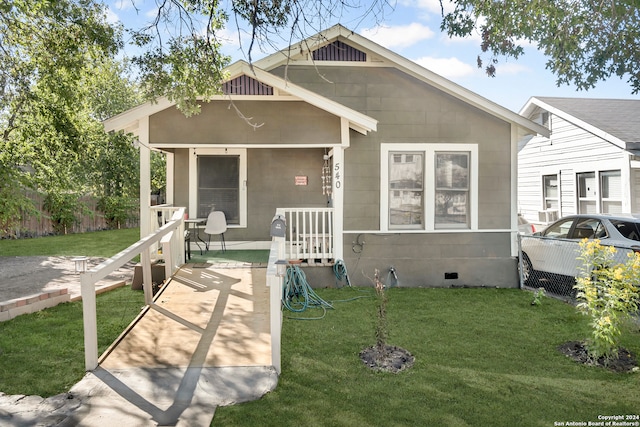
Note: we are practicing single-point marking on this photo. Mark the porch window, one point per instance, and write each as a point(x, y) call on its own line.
point(587, 193)
point(218, 178)
point(428, 186)
point(218, 182)
point(611, 191)
point(550, 191)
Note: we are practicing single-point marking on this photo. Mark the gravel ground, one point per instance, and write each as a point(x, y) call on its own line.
point(25, 276)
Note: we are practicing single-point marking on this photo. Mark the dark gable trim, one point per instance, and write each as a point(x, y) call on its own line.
point(339, 51)
point(245, 85)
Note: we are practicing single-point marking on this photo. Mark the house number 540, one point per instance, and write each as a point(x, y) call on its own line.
point(337, 176)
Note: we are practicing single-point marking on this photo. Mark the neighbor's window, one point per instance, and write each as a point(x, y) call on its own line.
point(611, 191)
point(452, 189)
point(428, 186)
point(550, 190)
point(587, 192)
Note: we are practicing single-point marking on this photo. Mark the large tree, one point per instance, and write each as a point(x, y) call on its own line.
point(58, 79)
point(181, 47)
point(585, 41)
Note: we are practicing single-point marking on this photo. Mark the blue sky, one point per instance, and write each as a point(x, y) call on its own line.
point(411, 28)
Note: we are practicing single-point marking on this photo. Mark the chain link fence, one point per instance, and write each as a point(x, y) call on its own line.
point(552, 264)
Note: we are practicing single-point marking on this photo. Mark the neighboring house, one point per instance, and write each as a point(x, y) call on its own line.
point(588, 164)
point(373, 159)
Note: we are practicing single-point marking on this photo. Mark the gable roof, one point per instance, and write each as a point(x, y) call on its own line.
point(128, 121)
point(384, 57)
point(614, 120)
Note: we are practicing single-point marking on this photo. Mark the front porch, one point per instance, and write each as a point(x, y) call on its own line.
point(310, 235)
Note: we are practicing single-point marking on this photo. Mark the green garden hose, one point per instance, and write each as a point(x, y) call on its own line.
point(297, 294)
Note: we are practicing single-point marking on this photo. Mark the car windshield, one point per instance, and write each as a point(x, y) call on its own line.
point(560, 230)
point(628, 229)
point(588, 228)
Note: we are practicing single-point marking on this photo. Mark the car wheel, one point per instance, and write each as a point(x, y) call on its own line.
point(527, 270)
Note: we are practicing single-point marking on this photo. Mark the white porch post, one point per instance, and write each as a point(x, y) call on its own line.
point(169, 179)
point(338, 191)
point(145, 178)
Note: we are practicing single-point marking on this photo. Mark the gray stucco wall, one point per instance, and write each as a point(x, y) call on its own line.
point(410, 111)
point(285, 122)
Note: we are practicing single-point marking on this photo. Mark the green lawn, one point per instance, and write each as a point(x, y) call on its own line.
point(484, 357)
point(43, 353)
point(95, 244)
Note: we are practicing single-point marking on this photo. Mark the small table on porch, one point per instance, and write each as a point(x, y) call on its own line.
point(194, 224)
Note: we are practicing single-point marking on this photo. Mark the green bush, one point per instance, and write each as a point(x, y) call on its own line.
point(608, 293)
point(65, 210)
point(117, 210)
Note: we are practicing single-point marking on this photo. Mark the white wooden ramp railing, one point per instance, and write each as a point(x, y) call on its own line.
point(170, 236)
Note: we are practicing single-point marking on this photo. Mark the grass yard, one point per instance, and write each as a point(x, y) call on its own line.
point(484, 357)
point(43, 353)
point(95, 244)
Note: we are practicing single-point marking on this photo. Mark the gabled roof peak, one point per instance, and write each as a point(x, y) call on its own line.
point(299, 53)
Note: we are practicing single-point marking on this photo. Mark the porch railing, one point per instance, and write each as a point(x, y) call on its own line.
point(309, 233)
point(159, 216)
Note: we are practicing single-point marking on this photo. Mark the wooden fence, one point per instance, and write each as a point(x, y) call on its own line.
point(37, 226)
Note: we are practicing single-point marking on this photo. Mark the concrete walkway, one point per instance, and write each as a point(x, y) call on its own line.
point(205, 343)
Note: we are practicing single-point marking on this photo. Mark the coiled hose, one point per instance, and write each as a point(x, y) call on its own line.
point(340, 271)
point(297, 294)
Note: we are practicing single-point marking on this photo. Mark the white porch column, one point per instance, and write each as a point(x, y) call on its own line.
point(169, 188)
point(145, 178)
point(338, 191)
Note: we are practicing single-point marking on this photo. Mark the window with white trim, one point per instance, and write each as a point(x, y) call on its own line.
point(611, 191)
point(587, 192)
point(218, 182)
point(550, 191)
point(429, 186)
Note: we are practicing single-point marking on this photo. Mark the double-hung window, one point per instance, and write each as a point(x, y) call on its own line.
point(611, 191)
point(428, 186)
point(218, 182)
point(550, 190)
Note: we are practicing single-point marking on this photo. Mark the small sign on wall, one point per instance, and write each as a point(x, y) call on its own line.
point(301, 180)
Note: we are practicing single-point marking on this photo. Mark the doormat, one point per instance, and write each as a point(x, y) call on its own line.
point(202, 265)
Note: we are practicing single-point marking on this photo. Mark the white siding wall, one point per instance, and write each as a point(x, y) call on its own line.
point(570, 150)
point(635, 190)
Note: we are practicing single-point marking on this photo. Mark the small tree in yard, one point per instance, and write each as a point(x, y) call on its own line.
point(381, 356)
point(607, 292)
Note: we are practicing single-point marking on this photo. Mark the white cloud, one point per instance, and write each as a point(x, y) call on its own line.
point(112, 17)
point(511, 68)
point(123, 4)
point(450, 68)
point(430, 6)
point(398, 36)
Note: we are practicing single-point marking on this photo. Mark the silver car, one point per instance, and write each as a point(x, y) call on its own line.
point(555, 250)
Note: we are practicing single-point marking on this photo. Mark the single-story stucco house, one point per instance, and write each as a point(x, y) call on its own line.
point(372, 160)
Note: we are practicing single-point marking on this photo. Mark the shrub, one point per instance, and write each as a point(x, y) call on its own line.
point(608, 293)
point(117, 210)
point(65, 210)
